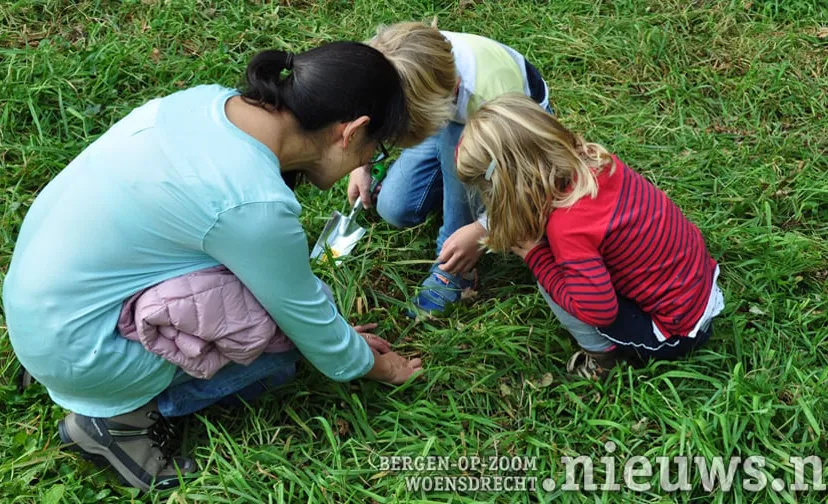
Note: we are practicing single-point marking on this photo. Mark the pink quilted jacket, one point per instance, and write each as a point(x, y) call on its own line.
point(201, 322)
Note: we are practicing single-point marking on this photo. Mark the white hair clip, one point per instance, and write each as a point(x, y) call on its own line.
point(490, 170)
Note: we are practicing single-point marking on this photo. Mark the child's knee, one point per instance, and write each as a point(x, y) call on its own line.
point(397, 212)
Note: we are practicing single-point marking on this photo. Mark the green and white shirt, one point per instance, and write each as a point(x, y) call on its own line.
point(487, 69)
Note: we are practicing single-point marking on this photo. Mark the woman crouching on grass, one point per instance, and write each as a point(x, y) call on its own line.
point(620, 266)
point(190, 181)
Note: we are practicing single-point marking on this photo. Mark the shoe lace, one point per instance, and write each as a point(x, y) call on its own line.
point(162, 434)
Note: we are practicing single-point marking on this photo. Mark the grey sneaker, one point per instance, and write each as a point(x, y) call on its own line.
point(593, 365)
point(136, 445)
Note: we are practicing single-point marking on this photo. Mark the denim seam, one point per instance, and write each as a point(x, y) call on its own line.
point(429, 186)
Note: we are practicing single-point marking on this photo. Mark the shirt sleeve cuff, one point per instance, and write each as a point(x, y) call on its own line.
point(484, 221)
point(532, 255)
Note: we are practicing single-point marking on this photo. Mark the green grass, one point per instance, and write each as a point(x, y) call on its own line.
point(721, 104)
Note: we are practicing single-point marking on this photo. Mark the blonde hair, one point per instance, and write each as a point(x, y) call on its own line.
point(423, 57)
point(539, 165)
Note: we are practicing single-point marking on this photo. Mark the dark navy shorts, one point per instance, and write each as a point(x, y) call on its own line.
point(633, 332)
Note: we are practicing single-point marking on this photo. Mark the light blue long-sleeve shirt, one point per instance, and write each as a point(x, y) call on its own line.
point(172, 188)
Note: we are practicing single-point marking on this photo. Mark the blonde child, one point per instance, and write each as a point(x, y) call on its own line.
point(619, 264)
point(447, 76)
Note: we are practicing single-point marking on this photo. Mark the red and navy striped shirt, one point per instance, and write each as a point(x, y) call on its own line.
point(630, 240)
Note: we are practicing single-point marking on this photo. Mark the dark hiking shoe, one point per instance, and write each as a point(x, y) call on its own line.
point(24, 380)
point(136, 445)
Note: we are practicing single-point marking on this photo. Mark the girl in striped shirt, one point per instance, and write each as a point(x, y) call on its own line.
point(619, 264)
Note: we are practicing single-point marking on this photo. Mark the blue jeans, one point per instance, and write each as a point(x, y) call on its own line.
point(588, 337)
point(424, 179)
point(233, 382)
point(186, 395)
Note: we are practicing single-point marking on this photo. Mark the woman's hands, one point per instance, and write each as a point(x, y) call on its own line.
point(389, 366)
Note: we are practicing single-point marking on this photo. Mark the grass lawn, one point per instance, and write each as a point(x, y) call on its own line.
point(721, 104)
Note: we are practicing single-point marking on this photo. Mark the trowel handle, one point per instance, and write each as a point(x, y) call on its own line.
point(357, 207)
point(378, 172)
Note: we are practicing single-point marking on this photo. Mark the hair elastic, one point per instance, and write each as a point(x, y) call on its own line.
point(490, 170)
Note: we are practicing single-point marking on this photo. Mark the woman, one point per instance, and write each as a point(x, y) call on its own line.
point(183, 183)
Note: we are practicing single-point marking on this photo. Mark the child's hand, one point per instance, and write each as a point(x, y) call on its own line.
point(359, 186)
point(376, 343)
point(524, 248)
point(462, 250)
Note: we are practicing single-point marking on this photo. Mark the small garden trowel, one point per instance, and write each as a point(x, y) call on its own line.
point(341, 234)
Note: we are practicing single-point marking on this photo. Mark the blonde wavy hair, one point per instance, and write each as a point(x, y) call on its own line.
point(425, 62)
point(539, 165)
